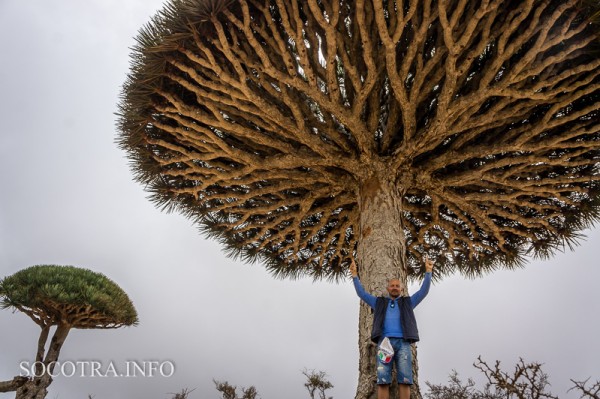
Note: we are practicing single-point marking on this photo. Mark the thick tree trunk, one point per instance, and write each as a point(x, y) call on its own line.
point(37, 387)
point(381, 256)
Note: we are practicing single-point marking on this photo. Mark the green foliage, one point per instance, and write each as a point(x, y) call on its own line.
point(228, 391)
point(457, 389)
point(183, 394)
point(526, 381)
point(51, 294)
point(317, 384)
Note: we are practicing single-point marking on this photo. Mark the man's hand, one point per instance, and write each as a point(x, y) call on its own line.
point(428, 265)
point(353, 270)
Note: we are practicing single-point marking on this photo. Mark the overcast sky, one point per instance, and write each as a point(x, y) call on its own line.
point(67, 197)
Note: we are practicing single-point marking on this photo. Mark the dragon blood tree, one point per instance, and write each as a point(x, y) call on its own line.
point(66, 297)
point(304, 132)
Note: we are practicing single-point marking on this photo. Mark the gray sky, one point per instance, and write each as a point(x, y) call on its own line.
point(67, 197)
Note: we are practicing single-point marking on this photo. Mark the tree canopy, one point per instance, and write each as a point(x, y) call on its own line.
point(262, 119)
point(78, 297)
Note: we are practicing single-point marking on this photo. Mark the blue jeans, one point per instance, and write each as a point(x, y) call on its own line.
point(403, 361)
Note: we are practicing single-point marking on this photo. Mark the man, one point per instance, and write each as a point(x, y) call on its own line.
point(393, 318)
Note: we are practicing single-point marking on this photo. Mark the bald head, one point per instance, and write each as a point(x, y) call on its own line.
point(395, 288)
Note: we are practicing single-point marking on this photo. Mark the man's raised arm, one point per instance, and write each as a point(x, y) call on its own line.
point(418, 296)
point(360, 291)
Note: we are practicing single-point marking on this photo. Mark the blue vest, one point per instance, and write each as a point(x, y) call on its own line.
point(407, 319)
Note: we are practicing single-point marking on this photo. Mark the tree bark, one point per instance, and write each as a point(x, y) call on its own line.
point(37, 387)
point(381, 256)
point(12, 385)
point(39, 357)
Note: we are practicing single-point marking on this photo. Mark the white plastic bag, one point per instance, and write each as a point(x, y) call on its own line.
point(386, 351)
